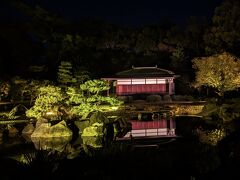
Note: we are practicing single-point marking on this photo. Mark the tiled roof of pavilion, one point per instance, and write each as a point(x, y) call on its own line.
point(142, 72)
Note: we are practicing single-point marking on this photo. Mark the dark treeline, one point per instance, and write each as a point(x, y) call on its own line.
point(35, 47)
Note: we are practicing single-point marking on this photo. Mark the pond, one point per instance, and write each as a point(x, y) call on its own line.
point(58, 158)
point(54, 158)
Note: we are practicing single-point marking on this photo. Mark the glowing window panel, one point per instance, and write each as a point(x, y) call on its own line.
point(124, 81)
point(138, 81)
point(151, 81)
point(161, 81)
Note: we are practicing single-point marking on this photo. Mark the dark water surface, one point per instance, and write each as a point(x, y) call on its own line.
point(63, 158)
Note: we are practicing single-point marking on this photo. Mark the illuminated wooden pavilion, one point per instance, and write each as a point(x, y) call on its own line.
point(143, 80)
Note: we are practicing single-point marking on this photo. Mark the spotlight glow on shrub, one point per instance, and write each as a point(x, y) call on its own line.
point(114, 108)
point(50, 113)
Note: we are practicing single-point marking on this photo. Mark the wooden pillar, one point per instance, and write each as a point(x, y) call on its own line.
point(173, 87)
point(114, 85)
point(131, 87)
point(169, 86)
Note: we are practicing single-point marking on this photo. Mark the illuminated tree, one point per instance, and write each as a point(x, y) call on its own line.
point(221, 72)
point(94, 86)
point(88, 98)
point(26, 89)
point(81, 75)
point(65, 74)
point(33, 87)
point(48, 100)
point(79, 101)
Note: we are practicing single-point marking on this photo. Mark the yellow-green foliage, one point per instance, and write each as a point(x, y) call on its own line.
point(10, 114)
point(95, 142)
point(95, 129)
point(209, 109)
point(87, 98)
point(46, 130)
point(65, 74)
point(94, 86)
point(78, 101)
point(48, 98)
point(74, 95)
point(211, 137)
point(84, 109)
point(187, 109)
point(221, 72)
point(226, 112)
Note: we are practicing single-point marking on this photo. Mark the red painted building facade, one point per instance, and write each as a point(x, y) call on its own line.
point(143, 80)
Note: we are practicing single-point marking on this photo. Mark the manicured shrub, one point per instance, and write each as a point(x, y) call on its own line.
point(154, 98)
point(167, 98)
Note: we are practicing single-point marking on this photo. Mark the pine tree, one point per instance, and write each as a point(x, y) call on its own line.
point(65, 75)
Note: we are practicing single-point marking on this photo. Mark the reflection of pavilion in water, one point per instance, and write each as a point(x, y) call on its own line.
point(152, 124)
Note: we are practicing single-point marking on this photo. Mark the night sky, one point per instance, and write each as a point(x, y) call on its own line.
point(128, 12)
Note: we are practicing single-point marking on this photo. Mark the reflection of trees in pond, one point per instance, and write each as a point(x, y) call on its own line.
point(39, 164)
point(184, 157)
point(27, 137)
point(56, 143)
point(69, 150)
point(91, 143)
point(206, 159)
